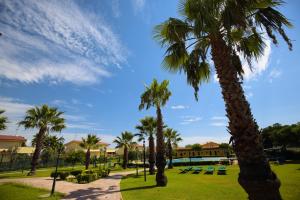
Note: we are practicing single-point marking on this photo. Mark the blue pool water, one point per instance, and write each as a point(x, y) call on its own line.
point(185, 160)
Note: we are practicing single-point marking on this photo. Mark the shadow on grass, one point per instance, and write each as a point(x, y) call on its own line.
point(138, 188)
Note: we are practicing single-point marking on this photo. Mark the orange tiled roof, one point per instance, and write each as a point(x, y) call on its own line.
point(210, 145)
point(12, 138)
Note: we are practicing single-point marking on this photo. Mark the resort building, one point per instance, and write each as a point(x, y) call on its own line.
point(209, 149)
point(74, 145)
point(13, 144)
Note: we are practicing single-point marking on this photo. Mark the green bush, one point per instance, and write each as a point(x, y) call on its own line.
point(86, 178)
point(63, 175)
point(54, 175)
point(75, 172)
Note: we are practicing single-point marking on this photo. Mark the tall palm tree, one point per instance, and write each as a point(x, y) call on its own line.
point(156, 95)
point(89, 143)
point(125, 141)
point(227, 28)
point(147, 128)
point(172, 139)
point(46, 119)
point(3, 120)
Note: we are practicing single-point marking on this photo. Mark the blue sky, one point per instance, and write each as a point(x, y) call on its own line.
point(93, 59)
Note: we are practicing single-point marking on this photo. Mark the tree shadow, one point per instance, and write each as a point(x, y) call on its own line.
point(85, 194)
point(139, 188)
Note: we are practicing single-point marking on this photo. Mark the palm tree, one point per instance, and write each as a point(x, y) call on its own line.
point(157, 95)
point(147, 128)
point(3, 120)
point(172, 137)
point(227, 28)
point(125, 141)
point(89, 143)
point(45, 119)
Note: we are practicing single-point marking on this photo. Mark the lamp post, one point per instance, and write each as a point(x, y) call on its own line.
point(59, 150)
point(145, 179)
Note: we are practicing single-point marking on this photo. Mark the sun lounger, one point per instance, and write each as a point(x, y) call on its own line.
point(222, 170)
point(185, 170)
point(197, 170)
point(209, 170)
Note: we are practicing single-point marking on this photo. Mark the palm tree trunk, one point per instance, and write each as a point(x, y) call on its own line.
point(125, 157)
point(87, 158)
point(256, 176)
point(37, 151)
point(170, 165)
point(151, 155)
point(161, 179)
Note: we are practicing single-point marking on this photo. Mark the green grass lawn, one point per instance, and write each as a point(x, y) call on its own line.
point(12, 191)
point(209, 187)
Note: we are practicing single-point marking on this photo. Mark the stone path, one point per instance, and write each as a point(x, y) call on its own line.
point(106, 188)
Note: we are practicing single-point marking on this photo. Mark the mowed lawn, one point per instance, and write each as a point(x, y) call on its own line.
point(12, 191)
point(208, 187)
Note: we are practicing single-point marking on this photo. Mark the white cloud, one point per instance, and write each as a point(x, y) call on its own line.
point(218, 118)
point(190, 119)
point(274, 73)
point(216, 79)
point(179, 107)
point(56, 41)
point(218, 124)
point(138, 5)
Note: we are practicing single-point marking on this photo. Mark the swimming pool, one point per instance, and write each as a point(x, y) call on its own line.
point(204, 159)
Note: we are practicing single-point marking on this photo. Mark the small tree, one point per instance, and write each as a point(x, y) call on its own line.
point(125, 141)
point(74, 157)
point(172, 138)
point(88, 143)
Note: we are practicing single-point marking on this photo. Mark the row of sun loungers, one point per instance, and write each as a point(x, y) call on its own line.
point(209, 170)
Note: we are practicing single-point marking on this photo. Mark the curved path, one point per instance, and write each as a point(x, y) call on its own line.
point(106, 188)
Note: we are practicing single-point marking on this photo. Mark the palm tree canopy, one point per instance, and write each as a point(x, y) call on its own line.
point(44, 117)
point(241, 24)
point(146, 127)
point(125, 140)
point(90, 142)
point(157, 94)
point(3, 120)
point(172, 136)
point(51, 142)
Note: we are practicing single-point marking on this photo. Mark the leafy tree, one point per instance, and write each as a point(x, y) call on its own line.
point(125, 141)
point(172, 139)
point(226, 29)
point(147, 128)
point(156, 95)
point(89, 143)
point(46, 120)
point(74, 157)
point(3, 120)
point(196, 147)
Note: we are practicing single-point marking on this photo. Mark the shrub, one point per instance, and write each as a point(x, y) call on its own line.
point(70, 178)
point(54, 175)
point(86, 178)
point(63, 175)
point(75, 172)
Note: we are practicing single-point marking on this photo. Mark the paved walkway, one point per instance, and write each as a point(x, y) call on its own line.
point(106, 188)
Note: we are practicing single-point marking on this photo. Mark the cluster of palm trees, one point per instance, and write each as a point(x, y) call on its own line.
point(227, 29)
point(156, 95)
